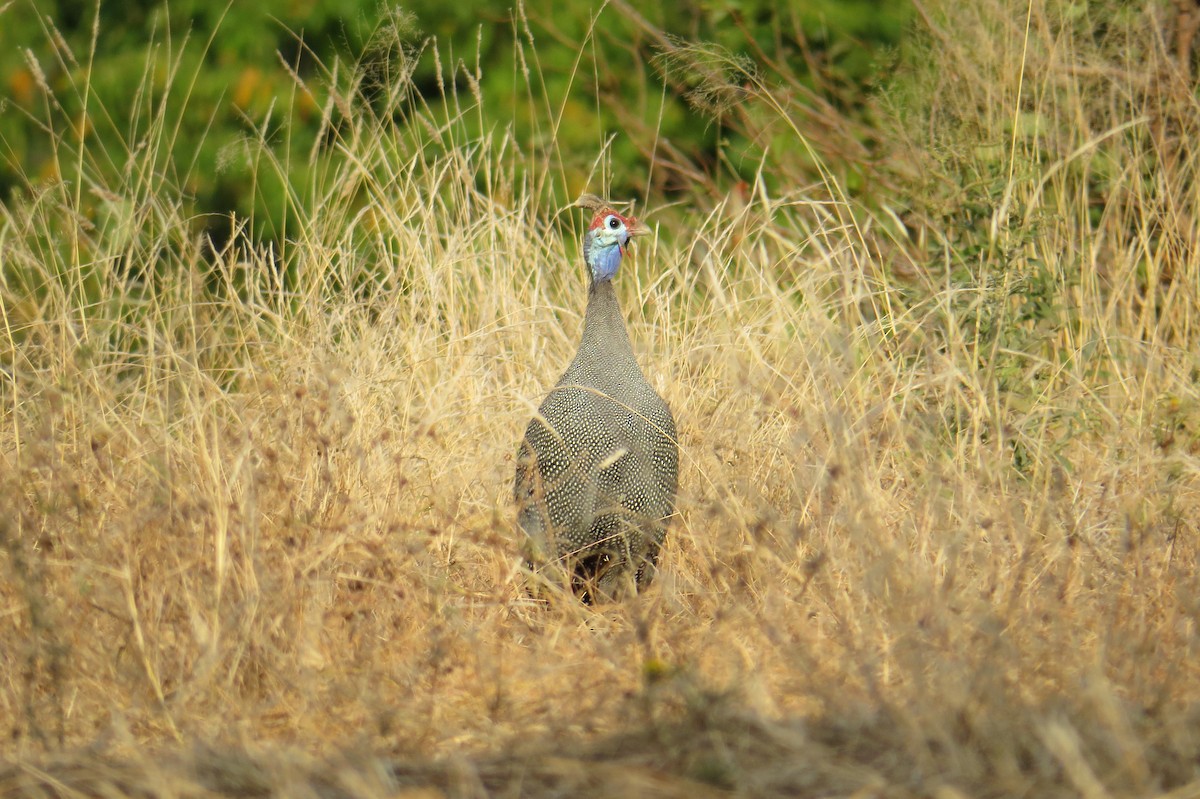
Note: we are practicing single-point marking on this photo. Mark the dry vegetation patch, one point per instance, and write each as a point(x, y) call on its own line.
point(261, 499)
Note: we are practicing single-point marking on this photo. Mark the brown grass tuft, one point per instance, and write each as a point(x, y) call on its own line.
point(260, 499)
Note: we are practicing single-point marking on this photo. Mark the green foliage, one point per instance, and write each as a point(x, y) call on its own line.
point(185, 80)
point(200, 79)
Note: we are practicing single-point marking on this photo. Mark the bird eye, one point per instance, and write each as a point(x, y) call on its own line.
point(613, 223)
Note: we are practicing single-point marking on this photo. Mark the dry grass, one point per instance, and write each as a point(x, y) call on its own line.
point(261, 501)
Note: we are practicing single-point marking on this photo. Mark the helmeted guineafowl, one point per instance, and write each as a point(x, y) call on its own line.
point(598, 467)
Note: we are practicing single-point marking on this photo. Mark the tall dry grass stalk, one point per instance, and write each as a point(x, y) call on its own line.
point(260, 498)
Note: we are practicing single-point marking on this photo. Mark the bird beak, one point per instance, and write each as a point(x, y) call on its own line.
point(637, 228)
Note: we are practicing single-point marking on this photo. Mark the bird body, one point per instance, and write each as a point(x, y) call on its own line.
point(598, 467)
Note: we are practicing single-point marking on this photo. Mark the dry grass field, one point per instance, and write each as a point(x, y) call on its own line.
point(937, 529)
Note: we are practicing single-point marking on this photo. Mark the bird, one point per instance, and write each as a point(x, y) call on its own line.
point(598, 467)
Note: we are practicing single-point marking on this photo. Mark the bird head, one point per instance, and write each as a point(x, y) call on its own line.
point(607, 240)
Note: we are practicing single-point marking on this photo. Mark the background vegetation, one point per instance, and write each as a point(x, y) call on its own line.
point(926, 315)
point(271, 71)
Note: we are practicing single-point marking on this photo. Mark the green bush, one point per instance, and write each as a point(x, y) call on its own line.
point(208, 84)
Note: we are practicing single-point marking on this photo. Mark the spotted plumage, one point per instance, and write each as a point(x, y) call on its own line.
point(598, 467)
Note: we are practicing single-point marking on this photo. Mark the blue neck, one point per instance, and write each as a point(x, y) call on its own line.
point(604, 262)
